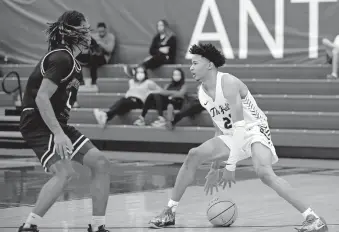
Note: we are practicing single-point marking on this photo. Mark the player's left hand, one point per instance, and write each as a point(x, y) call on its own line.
point(212, 179)
point(227, 178)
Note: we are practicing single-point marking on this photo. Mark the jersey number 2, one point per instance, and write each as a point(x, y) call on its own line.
point(227, 122)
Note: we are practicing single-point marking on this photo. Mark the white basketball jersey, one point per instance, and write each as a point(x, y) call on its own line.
point(220, 109)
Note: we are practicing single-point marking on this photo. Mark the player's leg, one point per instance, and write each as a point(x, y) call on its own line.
point(62, 171)
point(85, 153)
point(100, 186)
point(262, 157)
point(212, 149)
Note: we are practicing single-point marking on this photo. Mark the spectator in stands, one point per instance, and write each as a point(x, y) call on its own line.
point(190, 108)
point(162, 50)
point(332, 51)
point(99, 53)
point(139, 89)
point(172, 96)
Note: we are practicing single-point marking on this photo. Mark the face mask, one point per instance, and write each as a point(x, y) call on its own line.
point(176, 78)
point(140, 76)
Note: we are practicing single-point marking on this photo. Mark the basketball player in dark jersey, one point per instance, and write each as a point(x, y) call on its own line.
point(50, 92)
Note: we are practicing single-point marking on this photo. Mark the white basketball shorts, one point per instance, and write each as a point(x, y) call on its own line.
point(258, 133)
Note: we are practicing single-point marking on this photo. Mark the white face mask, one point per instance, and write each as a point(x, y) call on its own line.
point(140, 76)
point(176, 78)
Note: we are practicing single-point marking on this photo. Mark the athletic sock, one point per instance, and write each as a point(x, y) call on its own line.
point(98, 221)
point(173, 205)
point(32, 219)
point(308, 212)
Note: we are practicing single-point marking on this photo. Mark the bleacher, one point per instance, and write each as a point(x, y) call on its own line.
point(301, 105)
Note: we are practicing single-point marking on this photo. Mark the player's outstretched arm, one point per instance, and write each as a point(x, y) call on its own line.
point(231, 91)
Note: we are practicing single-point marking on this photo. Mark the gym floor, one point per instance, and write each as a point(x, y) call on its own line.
point(141, 185)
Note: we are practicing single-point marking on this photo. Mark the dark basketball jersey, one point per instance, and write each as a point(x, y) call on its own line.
point(60, 67)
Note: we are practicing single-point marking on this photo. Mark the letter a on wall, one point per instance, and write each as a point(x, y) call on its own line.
point(220, 34)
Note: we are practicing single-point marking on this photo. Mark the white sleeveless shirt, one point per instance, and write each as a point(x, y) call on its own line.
point(220, 111)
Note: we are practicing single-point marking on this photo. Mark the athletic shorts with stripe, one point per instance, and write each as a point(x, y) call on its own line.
point(255, 134)
point(38, 136)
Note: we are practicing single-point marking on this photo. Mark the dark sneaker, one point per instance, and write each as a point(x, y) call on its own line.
point(33, 228)
point(166, 218)
point(101, 229)
point(313, 224)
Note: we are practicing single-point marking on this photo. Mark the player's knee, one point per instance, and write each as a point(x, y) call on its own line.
point(102, 164)
point(63, 169)
point(66, 174)
point(265, 175)
point(194, 156)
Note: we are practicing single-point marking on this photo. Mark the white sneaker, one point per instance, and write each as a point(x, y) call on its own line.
point(76, 105)
point(140, 121)
point(94, 88)
point(100, 116)
point(161, 122)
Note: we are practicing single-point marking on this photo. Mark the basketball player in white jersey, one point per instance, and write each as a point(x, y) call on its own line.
point(241, 132)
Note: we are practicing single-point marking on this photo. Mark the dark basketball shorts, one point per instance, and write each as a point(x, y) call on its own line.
point(38, 136)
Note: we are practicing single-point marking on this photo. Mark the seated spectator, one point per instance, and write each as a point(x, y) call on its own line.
point(139, 88)
point(332, 51)
point(99, 53)
point(173, 94)
point(162, 50)
point(190, 108)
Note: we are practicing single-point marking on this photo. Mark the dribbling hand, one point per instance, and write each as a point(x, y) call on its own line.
point(63, 145)
point(227, 178)
point(212, 179)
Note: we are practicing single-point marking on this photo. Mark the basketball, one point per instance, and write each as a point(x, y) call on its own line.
point(222, 212)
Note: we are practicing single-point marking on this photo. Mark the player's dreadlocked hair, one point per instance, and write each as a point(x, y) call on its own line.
point(67, 31)
point(209, 52)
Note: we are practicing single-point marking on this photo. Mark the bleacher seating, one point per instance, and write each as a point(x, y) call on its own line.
point(301, 105)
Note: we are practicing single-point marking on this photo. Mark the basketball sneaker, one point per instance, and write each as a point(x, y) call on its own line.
point(32, 228)
point(313, 224)
point(166, 218)
point(101, 229)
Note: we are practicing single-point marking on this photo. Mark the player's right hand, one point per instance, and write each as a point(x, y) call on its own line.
point(63, 145)
point(212, 180)
point(227, 178)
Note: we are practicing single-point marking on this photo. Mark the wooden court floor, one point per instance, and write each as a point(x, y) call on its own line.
point(260, 209)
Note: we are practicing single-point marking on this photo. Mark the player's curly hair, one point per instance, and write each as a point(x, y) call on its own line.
point(67, 31)
point(209, 52)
